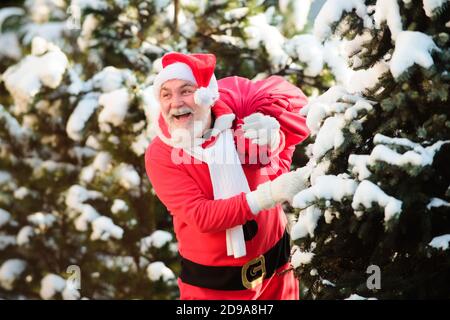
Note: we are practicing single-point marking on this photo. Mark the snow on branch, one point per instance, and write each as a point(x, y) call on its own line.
point(325, 187)
point(308, 50)
point(10, 271)
point(25, 79)
point(83, 111)
point(13, 127)
point(340, 110)
point(441, 242)
point(368, 193)
point(436, 203)
point(260, 31)
point(385, 151)
point(432, 6)
point(157, 239)
point(412, 47)
point(332, 12)
point(301, 258)
point(389, 12)
point(306, 224)
point(418, 156)
point(158, 270)
point(103, 227)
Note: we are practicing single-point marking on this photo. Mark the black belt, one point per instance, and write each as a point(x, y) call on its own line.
point(237, 278)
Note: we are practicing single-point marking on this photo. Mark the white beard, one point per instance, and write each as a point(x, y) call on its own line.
point(188, 138)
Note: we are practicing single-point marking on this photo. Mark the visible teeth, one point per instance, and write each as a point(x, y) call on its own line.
point(182, 114)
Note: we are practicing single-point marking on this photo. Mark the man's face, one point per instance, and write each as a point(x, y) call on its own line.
point(179, 109)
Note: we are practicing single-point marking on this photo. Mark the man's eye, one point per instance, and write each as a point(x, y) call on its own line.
point(186, 92)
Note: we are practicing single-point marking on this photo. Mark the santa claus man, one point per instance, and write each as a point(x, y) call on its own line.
point(220, 164)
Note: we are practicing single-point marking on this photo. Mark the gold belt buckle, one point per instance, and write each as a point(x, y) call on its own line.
point(249, 272)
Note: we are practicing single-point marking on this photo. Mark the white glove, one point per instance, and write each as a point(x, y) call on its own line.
point(262, 130)
point(279, 190)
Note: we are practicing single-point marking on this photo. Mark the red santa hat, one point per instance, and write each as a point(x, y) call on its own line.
point(197, 68)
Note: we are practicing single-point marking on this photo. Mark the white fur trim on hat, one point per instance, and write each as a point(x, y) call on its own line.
point(177, 70)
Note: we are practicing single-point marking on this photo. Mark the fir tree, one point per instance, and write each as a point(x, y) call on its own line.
point(75, 119)
point(375, 221)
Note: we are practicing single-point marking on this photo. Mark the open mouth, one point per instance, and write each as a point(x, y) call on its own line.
point(183, 116)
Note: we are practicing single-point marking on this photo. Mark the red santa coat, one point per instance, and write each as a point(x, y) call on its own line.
point(200, 221)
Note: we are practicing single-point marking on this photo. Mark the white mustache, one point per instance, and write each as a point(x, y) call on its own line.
point(181, 111)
